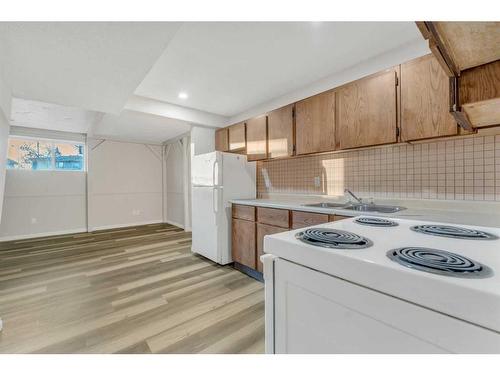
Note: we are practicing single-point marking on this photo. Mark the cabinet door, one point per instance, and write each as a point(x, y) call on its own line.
point(264, 230)
point(480, 94)
point(221, 139)
point(257, 138)
point(315, 123)
point(367, 111)
point(243, 242)
point(280, 132)
point(425, 100)
point(237, 137)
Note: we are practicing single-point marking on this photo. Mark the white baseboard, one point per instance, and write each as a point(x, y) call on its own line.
point(83, 230)
point(124, 225)
point(174, 223)
point(45, 234)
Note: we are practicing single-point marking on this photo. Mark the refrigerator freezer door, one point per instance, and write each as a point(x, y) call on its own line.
point(205, 233)
point(206, 169)
point(239, 178)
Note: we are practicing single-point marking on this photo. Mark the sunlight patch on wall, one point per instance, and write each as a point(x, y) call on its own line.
point(334, 177)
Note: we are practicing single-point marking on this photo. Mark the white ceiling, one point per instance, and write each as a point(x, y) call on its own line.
point(139, 127)
point(95, 66)
point(123, 69)
point(127, 126)
point(40, 115)
point(227, 68)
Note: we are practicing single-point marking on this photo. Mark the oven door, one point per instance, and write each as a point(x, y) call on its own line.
point(318, 313)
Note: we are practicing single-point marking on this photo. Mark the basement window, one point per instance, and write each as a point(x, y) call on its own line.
point(27, 153)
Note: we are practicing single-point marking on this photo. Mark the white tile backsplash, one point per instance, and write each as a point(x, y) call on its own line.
point(460, 169)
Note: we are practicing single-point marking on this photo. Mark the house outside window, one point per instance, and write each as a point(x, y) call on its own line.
point(27, 153)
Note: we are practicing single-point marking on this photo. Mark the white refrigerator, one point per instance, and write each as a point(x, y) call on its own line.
point(217, 178)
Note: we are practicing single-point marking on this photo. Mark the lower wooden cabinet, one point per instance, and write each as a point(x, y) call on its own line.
point(264, 230)
point(337, 217)
point(251, 224)
point(244, 212)
point(243, 242)
point(273, 216)
point(302, 219)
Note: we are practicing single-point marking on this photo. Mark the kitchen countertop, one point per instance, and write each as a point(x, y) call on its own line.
point(483, 213)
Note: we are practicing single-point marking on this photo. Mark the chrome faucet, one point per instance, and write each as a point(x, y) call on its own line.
point(347, 191)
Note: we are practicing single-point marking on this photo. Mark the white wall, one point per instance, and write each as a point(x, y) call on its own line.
point(174, 184)
point(4, 136)
point(39, 203)
point(202, 140)
point(124, 184)
point(5, 105)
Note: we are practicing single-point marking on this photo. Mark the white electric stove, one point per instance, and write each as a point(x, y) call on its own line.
point(379, 285)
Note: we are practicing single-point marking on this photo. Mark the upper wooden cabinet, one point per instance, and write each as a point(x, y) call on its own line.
point(257, 138)
point(237, 137)
point(315, 123)
point(280, 132)
point(469, 53)
point(463, 45)
point(222, 139)
point(425, 105)
point(367, 111)
point(480, 94)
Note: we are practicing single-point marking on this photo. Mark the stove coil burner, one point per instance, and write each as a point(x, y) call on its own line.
point(376, 222)
point(439, 262)
point(453, 232)
point(333, 238)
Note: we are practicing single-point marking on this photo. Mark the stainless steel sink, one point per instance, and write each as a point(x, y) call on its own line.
point(359, 207)
point(362, 207)
point(326, 205)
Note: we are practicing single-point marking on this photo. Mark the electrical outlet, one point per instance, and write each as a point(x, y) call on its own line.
point(317, 181)
point(136, 212)
point(33, 220)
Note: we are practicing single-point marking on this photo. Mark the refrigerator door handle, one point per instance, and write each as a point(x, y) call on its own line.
point(214, 168)
point(215, 199)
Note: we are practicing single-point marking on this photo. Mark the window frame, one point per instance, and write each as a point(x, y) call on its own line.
point(52, 142)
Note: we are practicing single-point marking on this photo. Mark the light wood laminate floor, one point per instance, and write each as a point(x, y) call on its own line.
point(129, 290)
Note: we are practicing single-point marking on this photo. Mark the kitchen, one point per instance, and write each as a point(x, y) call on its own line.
point(259, 187)
point(436, 168)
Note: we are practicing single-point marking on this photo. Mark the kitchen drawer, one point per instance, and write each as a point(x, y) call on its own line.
point(273, 216)
point(337, 217)
point(302, 219)
point(243, 212)
point(264, 230)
